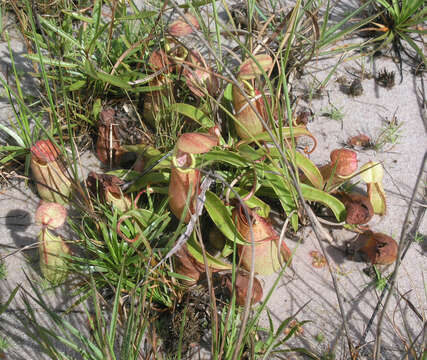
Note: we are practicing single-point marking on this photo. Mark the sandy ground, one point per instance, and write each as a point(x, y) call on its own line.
point(367, 114)
point(303, 283)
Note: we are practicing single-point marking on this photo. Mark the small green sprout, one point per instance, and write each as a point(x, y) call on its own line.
point(328, 355)
point(419, 238)
point(334, 113)
point(390, 135)
point(4, 344)
point(320, 338)
point(380, 280)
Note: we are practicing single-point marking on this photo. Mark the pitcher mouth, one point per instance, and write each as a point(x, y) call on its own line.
point(184, 162)
point(44, 152)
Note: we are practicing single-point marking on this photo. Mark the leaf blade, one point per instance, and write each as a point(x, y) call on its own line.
point(222, 219)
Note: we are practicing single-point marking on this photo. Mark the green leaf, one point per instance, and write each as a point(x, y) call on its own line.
point(276, 180)
point(226, 156)
point(253, 202)
point(415, 47)
point(148, 179)
point(287, 132)
point(147, 151)
point(81, 117)
point(294, 221)
point(222, 218)
point(195, 250)
point(139, 16)
point(193, 113)
point(4, 306)
point(13, 135)
point(372, 172)
point(179, 276)
point(248, 152)
point(331, 33)
point(95, 42)
point(97, 107)
point(7, 148)
point(12, 155)
point(78, 16)
point(52, 62)
point(77, 85)
point(285, 192)
point(150, 88)
point(228, 93)
point(59, 31)
point(312, 194)
point(309, 169)
point(113, 80)
point(196, 4)
point(96, 13)
point(144, 216)
point(284, 196)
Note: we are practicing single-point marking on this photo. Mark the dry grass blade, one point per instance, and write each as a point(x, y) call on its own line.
point(410, 349)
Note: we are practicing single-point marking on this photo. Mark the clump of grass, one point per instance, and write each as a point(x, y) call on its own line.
point(380, 280)
point(399, 24)
point(389, 135)
point(4, 344)
point(334, 113)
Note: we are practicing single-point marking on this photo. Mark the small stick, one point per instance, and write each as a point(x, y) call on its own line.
point(27, 247)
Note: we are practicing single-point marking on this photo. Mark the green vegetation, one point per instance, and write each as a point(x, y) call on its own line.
point(400, 23)
point(380, 280)
point(3, 270)
point(334, 113)
point(320, 338)
point(389, 135)
point(196, 152)
point(4, 344)
point(419, 238)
